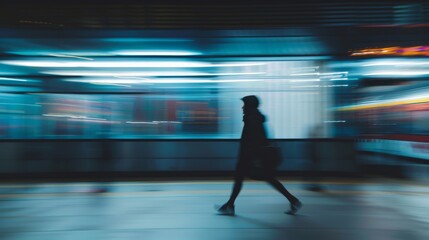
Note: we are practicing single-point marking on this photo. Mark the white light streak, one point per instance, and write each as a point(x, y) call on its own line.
point(320, 74)
point(123, 81)
point(151, 123)
point(13, 79)
point(396, 63)
point(154, 53)
point(398, 73)
point(305, 74)
point(72, 116)
point(319, 86)
point(70, 56)
point(337, 85)
point(145, 74)
point(107, 53)
point(334, 73)
point(62, 115)
point(123, 64)
point(306, 80)
point(237, 64)
point(111, 84)
point(308, 86)
point(168, 122)
point(94, 120)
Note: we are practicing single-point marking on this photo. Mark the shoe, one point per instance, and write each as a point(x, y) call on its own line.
point(294, 207)
point(225, 210)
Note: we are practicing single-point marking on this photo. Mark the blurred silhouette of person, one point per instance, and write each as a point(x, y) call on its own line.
point(253, 138)
point(104, 161)
point(314, 155)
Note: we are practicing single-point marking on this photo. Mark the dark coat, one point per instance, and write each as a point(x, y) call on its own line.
point(253, 138)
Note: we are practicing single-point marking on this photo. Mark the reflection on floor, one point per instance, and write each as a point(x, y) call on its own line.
point(369, 209)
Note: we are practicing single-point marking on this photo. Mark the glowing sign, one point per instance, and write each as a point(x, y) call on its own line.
point(393, 51)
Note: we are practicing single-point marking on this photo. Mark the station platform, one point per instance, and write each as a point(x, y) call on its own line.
point(184, 210)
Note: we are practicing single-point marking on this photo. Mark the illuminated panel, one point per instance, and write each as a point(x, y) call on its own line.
point(393, 51)
point(384, 103)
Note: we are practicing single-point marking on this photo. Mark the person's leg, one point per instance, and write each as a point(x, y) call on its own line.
point(279, 187)
point(228, 208)
point(295, 204)
point(238, 183)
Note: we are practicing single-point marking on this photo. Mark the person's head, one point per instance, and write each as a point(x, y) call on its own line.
point(250, 102)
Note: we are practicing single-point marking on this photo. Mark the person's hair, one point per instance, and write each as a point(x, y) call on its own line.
point(251, 101)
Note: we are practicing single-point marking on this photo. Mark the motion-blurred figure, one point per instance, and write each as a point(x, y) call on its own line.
point(253, 139)
point(104, 162)
point(314, 155)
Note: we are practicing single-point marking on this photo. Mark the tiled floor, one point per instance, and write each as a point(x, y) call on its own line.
point(183, 210)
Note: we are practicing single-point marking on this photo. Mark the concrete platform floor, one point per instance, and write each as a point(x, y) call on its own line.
point(183, 210)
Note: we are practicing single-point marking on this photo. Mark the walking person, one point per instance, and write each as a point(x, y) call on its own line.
point(253, 139)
